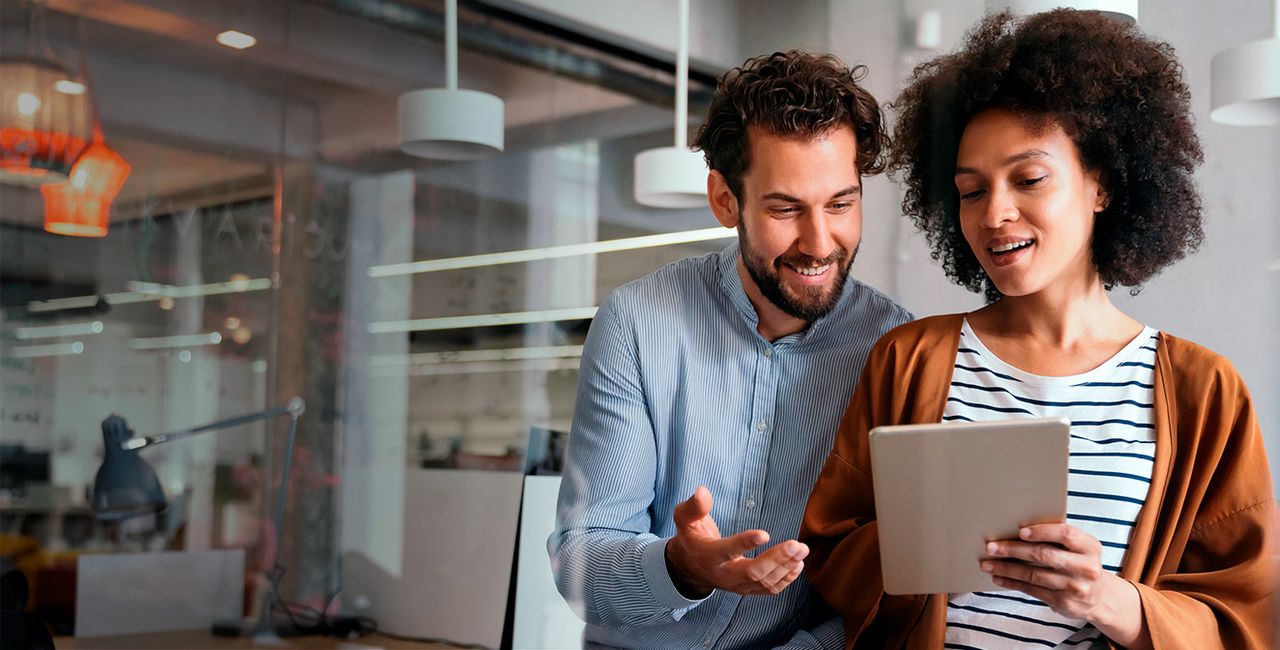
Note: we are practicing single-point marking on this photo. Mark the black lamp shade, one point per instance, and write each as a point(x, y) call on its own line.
point(125, 486)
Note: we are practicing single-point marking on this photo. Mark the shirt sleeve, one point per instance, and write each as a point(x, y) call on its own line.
point(607, 564)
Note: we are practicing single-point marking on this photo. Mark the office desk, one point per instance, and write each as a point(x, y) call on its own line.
point(204, 640)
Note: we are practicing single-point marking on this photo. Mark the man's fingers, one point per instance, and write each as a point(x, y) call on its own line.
point(694, 508)
point(734, 547)
point(777, 579)
point(774, 587)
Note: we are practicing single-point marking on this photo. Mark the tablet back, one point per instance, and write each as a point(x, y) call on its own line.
point(943, 490)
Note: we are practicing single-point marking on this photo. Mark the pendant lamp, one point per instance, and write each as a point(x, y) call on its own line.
point(674, 177)
point(1244, 85)
point(44, 114)
point(448, 123)
point(1125, 11)
point(81, 205)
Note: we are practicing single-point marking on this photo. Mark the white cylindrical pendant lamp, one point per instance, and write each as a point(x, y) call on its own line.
point(1245, 81)
point(1125, 11)
point(674, 177)
point(450, 124)
point(671, 177)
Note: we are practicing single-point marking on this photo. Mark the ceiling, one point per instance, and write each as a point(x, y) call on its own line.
point(321, 83)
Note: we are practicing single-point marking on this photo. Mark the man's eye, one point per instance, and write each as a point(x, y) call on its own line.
point(841, 206)
point(786, 212)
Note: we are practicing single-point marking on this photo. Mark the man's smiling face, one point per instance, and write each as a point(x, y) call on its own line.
point(801, 219)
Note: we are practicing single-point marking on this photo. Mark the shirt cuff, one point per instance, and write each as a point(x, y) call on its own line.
point(654, 560)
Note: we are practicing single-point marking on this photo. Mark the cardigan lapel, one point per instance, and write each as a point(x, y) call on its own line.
point(1141, 563)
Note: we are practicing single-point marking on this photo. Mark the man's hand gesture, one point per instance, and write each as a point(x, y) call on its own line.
point(700, 560)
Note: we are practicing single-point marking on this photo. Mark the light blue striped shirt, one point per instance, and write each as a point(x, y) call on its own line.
point(677, 389)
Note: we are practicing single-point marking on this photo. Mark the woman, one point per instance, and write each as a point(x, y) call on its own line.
point(1048, 161)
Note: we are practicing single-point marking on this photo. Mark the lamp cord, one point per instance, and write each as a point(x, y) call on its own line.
point(326, 625)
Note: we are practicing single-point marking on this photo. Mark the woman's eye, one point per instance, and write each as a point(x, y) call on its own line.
point(1032, 181)
point(969, 196)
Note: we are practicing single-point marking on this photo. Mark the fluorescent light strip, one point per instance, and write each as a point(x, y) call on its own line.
point(53, 350)
point(149, 292)
point(552, 252)
point(513, 365)
point(471, 356)
point(54, 331)
point(482, 320)
point(151, 289)
point(183, 341)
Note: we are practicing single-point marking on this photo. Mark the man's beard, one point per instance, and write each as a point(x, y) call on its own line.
point(811, 303)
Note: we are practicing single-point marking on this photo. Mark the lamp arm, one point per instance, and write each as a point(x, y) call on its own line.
point(294, 408)
point(264, 626)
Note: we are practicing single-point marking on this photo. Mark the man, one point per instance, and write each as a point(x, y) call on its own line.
point(710, 390)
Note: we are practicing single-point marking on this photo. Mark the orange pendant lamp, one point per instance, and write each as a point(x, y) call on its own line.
point(45, 116)
point(81, 206)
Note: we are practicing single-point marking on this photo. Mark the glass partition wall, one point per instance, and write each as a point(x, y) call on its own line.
point(263, 246)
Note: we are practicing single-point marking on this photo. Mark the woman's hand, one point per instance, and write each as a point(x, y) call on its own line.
point(1062, 566)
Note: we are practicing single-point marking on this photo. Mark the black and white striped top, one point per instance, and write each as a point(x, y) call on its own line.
point(1111, 457)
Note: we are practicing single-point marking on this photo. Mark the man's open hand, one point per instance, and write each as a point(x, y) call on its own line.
point(700, 560)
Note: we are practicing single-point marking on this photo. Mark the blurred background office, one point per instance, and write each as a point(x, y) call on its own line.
point(250, 232)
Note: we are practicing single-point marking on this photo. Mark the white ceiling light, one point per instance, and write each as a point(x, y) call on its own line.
point(674, 177)
point(69, 87)
point(447, 123)
point(1245, 81)
point(236, 40)
point(1125, 11)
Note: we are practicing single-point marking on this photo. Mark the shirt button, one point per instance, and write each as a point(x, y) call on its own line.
point(762, 425)
point(768, 352)
point(751, 503)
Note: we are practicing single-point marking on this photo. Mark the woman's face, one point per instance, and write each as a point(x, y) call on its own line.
point(1027, 204)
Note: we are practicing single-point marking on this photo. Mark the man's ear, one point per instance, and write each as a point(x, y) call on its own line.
point(724, 205)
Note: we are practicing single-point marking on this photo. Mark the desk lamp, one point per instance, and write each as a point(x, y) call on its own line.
point(126, 486)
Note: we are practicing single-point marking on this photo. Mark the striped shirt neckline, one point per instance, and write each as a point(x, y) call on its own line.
point(1145, 339)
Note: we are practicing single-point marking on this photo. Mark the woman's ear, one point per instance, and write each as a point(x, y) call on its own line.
point(724, 205)
point(1101, 198)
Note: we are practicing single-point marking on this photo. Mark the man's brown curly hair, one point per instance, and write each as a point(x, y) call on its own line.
point(1117, 94)
point(789, 94)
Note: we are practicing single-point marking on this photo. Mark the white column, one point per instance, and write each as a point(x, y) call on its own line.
point(375, 405)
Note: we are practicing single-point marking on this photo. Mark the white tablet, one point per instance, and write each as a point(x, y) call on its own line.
point(943, 491)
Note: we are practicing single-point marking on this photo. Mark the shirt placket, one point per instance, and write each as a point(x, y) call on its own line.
point(751, 500)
